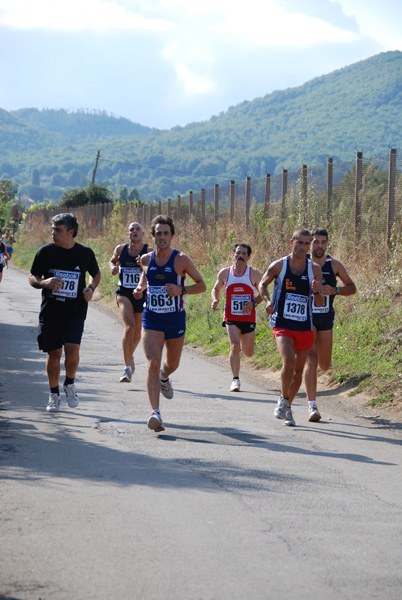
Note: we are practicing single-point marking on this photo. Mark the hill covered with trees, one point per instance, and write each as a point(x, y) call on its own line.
point(354, 108)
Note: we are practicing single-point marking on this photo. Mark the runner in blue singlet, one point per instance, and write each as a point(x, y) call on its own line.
point(164, 318)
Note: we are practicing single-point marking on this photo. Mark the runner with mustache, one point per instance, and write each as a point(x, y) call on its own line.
point(241, 285)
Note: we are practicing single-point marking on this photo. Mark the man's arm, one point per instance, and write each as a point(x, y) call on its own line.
point(316, 285)
point(218, 287)
point(348, 288)
point(255, 277)
point(270, 274)
point(185, 266)
point(93, 283)
point(114, 261)
point(52, 283)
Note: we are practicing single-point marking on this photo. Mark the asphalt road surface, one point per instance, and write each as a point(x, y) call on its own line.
point(225, 504)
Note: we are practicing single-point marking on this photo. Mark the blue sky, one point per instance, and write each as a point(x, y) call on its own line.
point(164, 63)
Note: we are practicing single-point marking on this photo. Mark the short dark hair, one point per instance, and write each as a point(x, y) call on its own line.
point(301, 232)
point(320, 231)
point(162, 220)
point(68, 220)
point(244, 246)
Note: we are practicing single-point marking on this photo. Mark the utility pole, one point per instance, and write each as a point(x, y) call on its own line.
point(96, 166)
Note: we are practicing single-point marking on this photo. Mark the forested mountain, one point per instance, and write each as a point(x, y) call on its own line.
point(354, 108)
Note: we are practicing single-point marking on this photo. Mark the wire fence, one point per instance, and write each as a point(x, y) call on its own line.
point(356, 200)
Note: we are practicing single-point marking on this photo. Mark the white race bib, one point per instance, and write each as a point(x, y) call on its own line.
point(321, 309)
point(70, 284)
point(159, 301)
point(295, 307)
point(130, 277)
point(237, 303)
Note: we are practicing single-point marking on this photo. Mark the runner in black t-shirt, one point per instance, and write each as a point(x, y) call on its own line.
point(3, 257)
point(59, 270)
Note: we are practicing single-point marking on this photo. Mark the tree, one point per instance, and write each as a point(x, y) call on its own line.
point(123, 193)
point(8, 192)
point(134, 195)
point(35, 177)
point(93, 194)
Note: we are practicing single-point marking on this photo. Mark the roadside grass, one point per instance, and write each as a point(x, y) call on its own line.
point(367, 348)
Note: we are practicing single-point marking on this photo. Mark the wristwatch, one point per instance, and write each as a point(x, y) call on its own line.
point(338, 290)
point(183, 290)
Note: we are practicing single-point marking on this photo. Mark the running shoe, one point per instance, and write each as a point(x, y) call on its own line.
point(281, 408)
point(235, 385)
point(71, 395)
point(155, 422)
point(127, 375)
point(54, 403)
point(314, 414)
point(289, 420)
point(166, 387)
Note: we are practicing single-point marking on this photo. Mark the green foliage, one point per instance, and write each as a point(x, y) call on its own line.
point(327, 116)
point(8, 191)
point(93, 194)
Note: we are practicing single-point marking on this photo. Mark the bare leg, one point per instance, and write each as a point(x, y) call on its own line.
point(53, 367)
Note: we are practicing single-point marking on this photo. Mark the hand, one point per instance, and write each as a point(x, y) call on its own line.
point(173, 289)
point(137, 293)
point(269, 309)
point(248, 307)
point(115, 270)
point(315, 286)
point(328, 290)
point(87, 292)
point(138, 260)
point(214, 304)
point(53, 283)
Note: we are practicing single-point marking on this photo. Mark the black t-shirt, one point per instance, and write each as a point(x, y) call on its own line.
point(71, 265)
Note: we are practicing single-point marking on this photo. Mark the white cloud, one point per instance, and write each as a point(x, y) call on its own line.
point(380, 21)
point(75, 15)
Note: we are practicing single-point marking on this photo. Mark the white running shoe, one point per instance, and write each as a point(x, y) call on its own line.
point(127, 375)
point(53, 404)
point(166, 387)
point(155, 422)
point(235, 385)
point(71, 395)
point(289, 420)
point(281, 408)
point(314, 413)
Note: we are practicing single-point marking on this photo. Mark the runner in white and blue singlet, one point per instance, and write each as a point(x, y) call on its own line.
point(164, 317)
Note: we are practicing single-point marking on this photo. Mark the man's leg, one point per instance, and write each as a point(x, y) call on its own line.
point(72, 359)
point(132, 328)
point(324, 349)
point(310, 372)
point(300, 360)
point(234, 356)
point(247, 343)
point(53, 367)
point(174, 348)
point(153, 342)
point(287, 351)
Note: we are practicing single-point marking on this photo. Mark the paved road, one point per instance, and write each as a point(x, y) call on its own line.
point(226, 504)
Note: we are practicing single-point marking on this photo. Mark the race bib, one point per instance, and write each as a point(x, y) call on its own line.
point(70, 284)
point(321, 309)
point(295, 307)
point(159, 300)
point(130, 277)
point(237, 303)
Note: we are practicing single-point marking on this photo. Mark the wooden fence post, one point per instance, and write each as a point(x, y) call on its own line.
point(203, 220)
point(169, 207)
point(160, 207)
point(216, 202)
point(330, 184)
point(190, 204)
point(283, 197)
point(248, 194)
point(178, 207)
point(304, 193)
point(391, 193)
point(358, 194)
point(231, 200)
point(267, 195)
